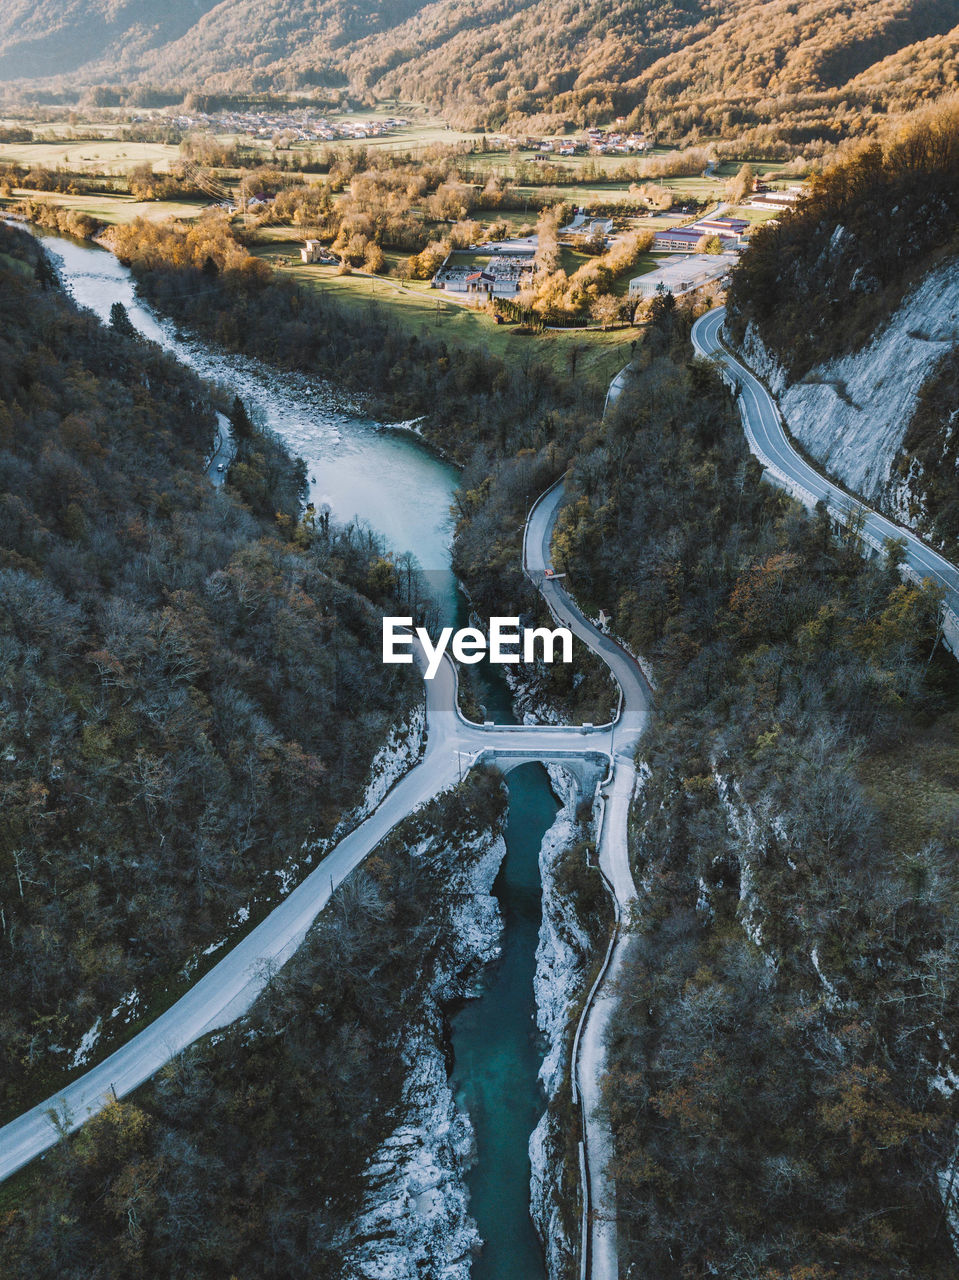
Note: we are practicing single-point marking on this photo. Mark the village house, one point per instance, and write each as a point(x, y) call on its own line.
point(677, 240)
point(316, 251)
point(501, 276)
point(727, 227)
point(775, 199)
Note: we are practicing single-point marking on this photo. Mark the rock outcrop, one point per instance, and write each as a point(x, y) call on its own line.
point(851, 414)
point(414, 1223)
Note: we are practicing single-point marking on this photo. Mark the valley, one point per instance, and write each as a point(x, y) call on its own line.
point(479, 611)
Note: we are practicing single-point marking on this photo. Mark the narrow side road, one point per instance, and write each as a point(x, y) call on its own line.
point(602, 1252)
point(224, 451)
point(600, 1256)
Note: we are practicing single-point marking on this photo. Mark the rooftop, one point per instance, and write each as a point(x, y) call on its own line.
point(682, 272)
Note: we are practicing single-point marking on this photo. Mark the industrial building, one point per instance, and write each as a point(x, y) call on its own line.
point(682, 275)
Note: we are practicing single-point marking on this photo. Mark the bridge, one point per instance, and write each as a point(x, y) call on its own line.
point(590, 754)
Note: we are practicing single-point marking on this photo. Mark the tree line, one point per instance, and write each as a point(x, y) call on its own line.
point(192, 684)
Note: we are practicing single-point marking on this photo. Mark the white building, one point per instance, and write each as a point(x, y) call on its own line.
point(316, 251)
point(682, 274)
point(502, 275)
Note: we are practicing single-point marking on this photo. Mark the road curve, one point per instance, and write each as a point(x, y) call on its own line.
point(769, 442)
point(228, 990)
point(600, 1255)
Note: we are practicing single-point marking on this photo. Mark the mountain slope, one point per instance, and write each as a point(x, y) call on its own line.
point(849, 308)
point(719, 64)
point(55, 37)
point(713, 65)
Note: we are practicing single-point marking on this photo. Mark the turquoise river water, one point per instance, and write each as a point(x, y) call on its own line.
point(399, 488)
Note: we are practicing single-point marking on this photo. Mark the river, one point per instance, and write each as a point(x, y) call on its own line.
point(395, 485)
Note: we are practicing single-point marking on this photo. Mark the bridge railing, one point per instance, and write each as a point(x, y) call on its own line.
point(593, 756)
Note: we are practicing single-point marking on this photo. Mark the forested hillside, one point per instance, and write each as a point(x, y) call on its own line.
point(778, 1062)
point(50, 37)
point(877, 231)
point(821, 279)
point(778, 1088)
point(680, 68)
point(819, 69)
point(192, 684)
point(245, 1157)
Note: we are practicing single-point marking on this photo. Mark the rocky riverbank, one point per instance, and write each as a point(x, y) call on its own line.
point(562, 959)
point(571, 929)
point(414, 1222)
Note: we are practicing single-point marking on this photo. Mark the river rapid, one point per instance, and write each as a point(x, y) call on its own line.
point(395, 485)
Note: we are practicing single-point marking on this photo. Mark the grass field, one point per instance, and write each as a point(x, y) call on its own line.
point(104, 156)
point(695, 186)
point(769, 169)
point(647, 262)
point(756, 216)
point(115, 208)
point(502, 163)
point(425, 312)
point(462, 258)
point(570, 260)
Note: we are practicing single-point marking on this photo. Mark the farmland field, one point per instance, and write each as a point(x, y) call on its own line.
point(114, 208)
point(103, 156)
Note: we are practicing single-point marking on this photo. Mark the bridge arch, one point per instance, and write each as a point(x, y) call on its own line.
point(586, 768)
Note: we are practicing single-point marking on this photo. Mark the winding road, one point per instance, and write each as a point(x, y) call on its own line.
point(599, 1258)
point(767, 439)
point(453, 745)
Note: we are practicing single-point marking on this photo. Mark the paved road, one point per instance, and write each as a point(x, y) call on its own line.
point(637, 699)
point(602, 1254)
point(230, 987)
point(223, 451)
point(768, 441)
point(617, 387)
point(600, 1248)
